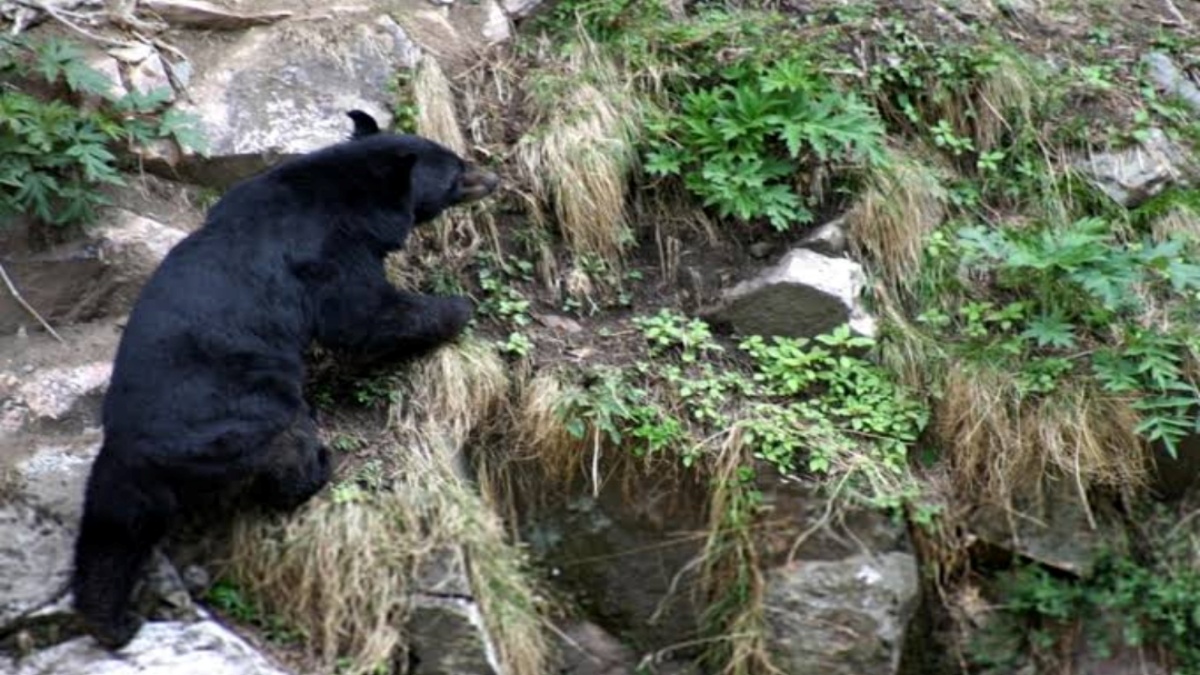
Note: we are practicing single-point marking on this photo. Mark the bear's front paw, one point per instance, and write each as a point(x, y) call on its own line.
point(459, 311)
point(117, 634)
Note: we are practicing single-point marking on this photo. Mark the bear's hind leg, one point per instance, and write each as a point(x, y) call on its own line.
point(296, 466)
point(121, 524)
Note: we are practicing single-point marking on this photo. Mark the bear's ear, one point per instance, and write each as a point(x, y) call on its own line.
point(364, 124)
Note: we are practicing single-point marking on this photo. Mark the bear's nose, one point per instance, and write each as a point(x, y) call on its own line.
point(477, 184)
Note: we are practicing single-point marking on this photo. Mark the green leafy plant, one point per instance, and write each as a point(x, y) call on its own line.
point(842, 406)
point(1122, 600)
point(227, 598)
point(739, 145)
point(670, 330)
point(55, 153)
point(501, 298)
point(1087, 287)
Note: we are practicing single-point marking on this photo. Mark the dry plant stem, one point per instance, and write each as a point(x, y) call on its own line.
point(1178, 15)
point(58, 16)
point(12, 289)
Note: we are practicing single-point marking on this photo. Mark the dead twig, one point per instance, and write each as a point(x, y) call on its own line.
point(58, 16)
point(1176, 14)
point(12, 289)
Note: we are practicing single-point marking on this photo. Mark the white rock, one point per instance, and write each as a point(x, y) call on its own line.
point(521, 8)
point(160, 648)
point(841, 617)
point(1135, 174)
point(496, 27)
point(35, 560)
point(804, 295)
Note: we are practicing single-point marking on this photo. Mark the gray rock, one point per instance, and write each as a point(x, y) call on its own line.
point(96, 275)
point(841, 617)
point(150, 76)
point(443, 572)
point(43, 497)
point(1133, 175)
point(449, 637)
point(161, 648)
point(588, 649)
point(495, 26)
point(1051, 527)
point(51, 395)
point(52, 480)
point(110, 68)
point(199, 15)
point(1171, 79)
point(35, 560)
point(625, 560)
point(805, 295)
point(518, 9)
point(277, 91)
point(828, 239)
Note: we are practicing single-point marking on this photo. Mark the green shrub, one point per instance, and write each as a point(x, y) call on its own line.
point(740, 144)
point(1142, 605)
point(1091, 297)
point(55, 154)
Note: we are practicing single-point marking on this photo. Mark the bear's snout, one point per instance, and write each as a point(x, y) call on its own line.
point(477, 184)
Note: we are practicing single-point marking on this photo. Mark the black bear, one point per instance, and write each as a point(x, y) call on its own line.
point(206, 393)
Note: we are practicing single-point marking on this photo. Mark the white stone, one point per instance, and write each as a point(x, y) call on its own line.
point(521, 8)
point(804, 295)
point(160, 648)
point(1135, 174)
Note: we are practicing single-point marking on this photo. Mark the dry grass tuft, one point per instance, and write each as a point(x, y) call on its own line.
point(343, 568)
point(434, 100)
point(1181, 222)
point(731, 573)
point(1007, 98)
point(455, 390)
point(578, 161)
point(541, 432)
point(1003, 443)
point(460, 390)
point(437, 120)
point(338, 571)
point(903, 202)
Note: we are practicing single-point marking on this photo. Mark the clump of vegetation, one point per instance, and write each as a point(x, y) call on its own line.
point(579, 157)
point(740, 144)
point(341, 570)
point(816, 408)
point(1123, 602)
point(62, 128)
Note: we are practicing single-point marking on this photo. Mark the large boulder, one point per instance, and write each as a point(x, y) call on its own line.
point(842, 616)
point(280, 90)
point(804, 295)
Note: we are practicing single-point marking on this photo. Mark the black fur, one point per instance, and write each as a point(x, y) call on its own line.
point(206, 393)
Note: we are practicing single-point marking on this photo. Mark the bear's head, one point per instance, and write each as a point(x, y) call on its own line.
point(438, 178)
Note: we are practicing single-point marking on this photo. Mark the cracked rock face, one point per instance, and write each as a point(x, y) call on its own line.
point(277, 91)
point(841, 616)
